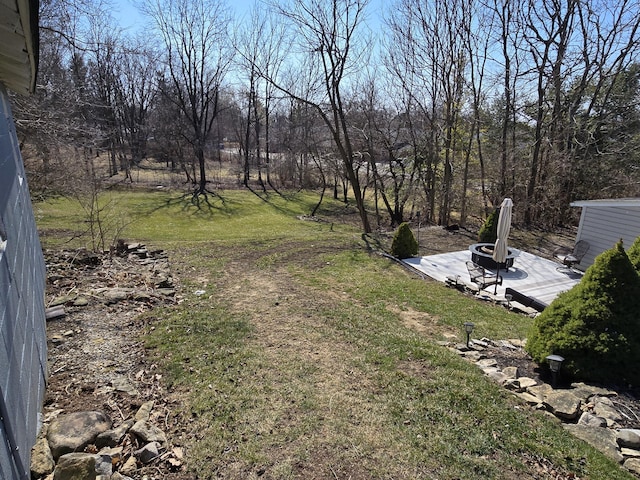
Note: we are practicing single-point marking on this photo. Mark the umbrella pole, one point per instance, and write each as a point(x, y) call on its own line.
point(495, 290)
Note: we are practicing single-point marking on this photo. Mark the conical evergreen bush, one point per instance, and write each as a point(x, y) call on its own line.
point(404, 243)
point(595, 326)
point(489, 231)
point(634, 254)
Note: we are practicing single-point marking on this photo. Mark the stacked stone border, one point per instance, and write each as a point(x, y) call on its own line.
point(588, 412)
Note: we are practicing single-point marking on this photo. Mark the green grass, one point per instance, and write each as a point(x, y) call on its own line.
point(169, 218)
point(310, 356)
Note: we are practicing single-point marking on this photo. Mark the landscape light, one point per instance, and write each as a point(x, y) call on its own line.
point(468, 327)
point(508, 297)
point(555, 363)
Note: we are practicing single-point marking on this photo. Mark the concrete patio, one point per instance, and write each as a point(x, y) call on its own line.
point(530, 275)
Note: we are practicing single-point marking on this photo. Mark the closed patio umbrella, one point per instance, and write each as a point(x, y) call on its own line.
point(504, 225)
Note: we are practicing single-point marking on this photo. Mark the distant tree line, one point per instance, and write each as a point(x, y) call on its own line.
point(433, 109)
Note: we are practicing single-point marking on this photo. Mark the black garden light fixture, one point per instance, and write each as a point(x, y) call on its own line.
point(468, 328)
point(555, 363)
point(508, 297)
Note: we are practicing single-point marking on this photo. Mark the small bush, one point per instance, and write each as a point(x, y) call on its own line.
point(404, 243)
point(594, 326)
point(489, 231)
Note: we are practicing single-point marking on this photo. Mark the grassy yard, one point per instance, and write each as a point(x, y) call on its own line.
point(310, 356)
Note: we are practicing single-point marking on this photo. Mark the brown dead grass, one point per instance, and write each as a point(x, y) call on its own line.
point(422, 322)
point(322, 407)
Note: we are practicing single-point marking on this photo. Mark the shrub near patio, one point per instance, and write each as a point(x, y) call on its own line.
point(404, 243)
point(488, 231)
point(594, 326)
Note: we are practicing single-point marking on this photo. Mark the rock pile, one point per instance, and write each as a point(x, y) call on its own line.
point(87, 445)
point(149, 282)
point(104, 401)
point(588, 412)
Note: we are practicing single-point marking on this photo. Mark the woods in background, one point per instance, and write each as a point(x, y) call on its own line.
point(427, 108)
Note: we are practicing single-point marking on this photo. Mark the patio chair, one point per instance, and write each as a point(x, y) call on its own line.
point(481, 277)
point(569, 258)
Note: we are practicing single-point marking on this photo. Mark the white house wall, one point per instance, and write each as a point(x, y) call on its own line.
point(603, 226)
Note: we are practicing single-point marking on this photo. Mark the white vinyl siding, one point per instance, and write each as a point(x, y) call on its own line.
point(23, 339)
point(602, 224)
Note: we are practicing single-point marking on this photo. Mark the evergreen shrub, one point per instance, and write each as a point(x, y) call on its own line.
point(404, 243)
point(489, 231)
point(634, 254)
point(594, 326)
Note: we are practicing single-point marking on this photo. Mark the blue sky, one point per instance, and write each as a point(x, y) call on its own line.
point(128, 16)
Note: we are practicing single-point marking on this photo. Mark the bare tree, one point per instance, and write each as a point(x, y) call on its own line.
point(330, 48)
point(63, 121)
point(136, 91)
point(407, 60)
point(600, 99)
point(103, 60)
point(384, 140)
point(550, 29)
point(476, 43)
point(579, 50)
point(428, 56)
point(194, 35)
point(170, 131)
point(262, 48)
point(508, 34)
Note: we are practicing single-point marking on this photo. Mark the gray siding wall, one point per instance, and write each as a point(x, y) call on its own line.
point(602, 227)
point(23, 341)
